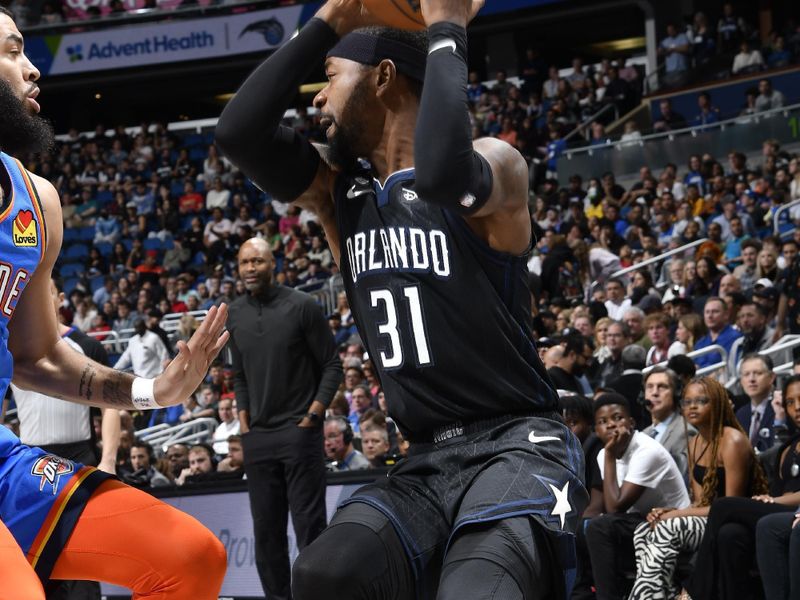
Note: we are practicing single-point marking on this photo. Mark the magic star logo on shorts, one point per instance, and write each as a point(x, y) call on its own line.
point(23, 230)
point(50, 468)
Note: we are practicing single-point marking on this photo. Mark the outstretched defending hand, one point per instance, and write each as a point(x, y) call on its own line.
point(460, 12)
point(181, 378)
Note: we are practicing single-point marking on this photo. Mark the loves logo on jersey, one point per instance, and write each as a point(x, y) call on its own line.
point(23, 230)
point(50, 468)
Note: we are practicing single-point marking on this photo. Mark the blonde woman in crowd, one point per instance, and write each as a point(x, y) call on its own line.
point(186, 327)
point(690, 329)
point(601, 353)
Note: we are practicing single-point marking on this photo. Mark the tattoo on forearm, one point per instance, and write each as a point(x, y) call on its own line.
point(116, 391)
point(85, 386)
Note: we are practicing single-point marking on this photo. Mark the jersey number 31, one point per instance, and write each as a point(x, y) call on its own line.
point(394, 357)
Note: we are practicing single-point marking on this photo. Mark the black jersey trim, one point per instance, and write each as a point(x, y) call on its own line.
point(382, 190)
point(67, 522)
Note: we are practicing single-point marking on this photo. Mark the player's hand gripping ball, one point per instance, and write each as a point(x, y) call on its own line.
point(400, 14)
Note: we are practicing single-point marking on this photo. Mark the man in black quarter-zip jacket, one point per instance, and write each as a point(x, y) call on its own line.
point(286, 374)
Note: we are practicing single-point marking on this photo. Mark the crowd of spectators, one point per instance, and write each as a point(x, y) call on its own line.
point(154, 221)
point(56, 12)
point(731, 45)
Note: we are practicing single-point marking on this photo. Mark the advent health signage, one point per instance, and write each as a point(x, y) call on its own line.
point(158, 43)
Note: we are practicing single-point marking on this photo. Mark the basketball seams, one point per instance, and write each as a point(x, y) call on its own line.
point(398, 14)
point(404, 9)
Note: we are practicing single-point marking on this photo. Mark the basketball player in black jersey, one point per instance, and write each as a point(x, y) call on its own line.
point(431, 233)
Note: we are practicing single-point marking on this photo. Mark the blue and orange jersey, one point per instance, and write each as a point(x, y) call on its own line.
point(22, 245)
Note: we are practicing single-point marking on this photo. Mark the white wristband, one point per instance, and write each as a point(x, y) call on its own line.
point(142, 394)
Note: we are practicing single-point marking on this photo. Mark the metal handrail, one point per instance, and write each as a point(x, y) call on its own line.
point(165, 436)
point(784, 369)
point(654, 260)
point(197, 437)
point(568, 153)
point(111, 338)
point(695, 353)
point(786, 342)
point(588, 120)
point(647, 83)
point(142, 433)
point(781, 209)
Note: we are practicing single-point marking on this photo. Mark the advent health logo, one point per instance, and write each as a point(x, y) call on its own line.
point(176, 41)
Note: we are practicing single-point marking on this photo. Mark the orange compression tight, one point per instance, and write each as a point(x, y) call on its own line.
point(126, 537)
point(18, 578)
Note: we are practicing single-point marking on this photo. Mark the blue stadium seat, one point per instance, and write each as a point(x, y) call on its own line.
point(70, 235)
point(86, 234)
point(70, 284)
point(71, 269)
point(105, 248)
point(95, 283)
point(152, 244)
point(128, 244)
point(104, 196)
point(198, 154)
point(194, 139)
point(200, 187)
point(77, 251)
point(176, 189)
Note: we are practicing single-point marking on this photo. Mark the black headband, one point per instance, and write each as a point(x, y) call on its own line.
point(371, 50)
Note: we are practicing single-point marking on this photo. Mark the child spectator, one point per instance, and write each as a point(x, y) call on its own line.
point(638, 475)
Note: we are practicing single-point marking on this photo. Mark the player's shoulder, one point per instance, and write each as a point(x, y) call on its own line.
point(734, 442)
point(500, 154)
point(46, 190)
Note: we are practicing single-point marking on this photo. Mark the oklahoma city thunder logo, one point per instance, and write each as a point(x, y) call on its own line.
point(50, 468)
point(23, 230)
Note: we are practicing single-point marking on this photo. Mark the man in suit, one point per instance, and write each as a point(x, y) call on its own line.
point(662, 390)
point(757, 417)
point(629, 383)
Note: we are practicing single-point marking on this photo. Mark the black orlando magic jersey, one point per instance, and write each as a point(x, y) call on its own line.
point(444, 317)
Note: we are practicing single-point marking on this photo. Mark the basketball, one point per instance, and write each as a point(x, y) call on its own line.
point(400, 14)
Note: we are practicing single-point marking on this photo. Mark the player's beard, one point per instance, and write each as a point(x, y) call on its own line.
point(343, 144)
point(21, 132)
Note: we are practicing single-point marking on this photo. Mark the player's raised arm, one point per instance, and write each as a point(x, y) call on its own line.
point(486, 182)
point(249, 132)
point(45, 363)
